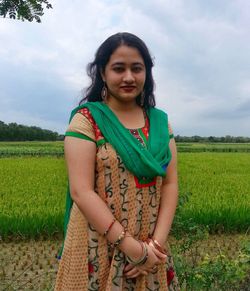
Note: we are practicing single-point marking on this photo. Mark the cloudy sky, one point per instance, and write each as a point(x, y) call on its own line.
point(201, 51)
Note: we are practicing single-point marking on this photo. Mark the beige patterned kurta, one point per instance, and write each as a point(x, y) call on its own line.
point(88, 262)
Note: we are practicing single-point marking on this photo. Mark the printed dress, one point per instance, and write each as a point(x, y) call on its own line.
point(88, 262)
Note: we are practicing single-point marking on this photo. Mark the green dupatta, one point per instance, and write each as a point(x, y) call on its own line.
point(142, 162)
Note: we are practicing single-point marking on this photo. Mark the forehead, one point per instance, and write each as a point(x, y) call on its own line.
point(126, 54)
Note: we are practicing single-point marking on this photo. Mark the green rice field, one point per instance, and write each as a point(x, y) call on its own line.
point(32, 189)
point(220, 187)
point(11, 149)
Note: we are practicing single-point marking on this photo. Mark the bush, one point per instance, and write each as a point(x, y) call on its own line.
point(209, 272)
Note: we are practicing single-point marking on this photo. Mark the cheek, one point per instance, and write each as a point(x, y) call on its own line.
point(142, 80)
point(113, 80)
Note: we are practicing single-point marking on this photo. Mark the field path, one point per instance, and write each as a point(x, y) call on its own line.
point(30, 265)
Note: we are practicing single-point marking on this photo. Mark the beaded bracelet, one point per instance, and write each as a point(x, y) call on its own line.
point(142, 260)
point(120, 238)
point(108, 229)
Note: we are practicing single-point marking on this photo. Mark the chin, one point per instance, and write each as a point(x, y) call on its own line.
point(128, 98)
point(124, 97)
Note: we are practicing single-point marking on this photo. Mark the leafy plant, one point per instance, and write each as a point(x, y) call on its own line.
point(209, 272)
point(24, 9)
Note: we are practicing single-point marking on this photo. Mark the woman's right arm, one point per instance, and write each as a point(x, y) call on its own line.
point(80, 157)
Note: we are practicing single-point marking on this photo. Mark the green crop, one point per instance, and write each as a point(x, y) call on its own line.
point(32, 148)
point(13, 149)
point(32, 192)
point(220, 187)
point(213, 147)
point(32, 195)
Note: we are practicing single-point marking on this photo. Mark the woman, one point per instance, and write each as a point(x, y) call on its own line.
point(121, 159)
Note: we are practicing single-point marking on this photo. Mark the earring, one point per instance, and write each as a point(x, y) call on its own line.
point(104, 93)
point(142, 98)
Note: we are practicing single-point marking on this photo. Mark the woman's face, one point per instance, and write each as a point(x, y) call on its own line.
point(125, 74)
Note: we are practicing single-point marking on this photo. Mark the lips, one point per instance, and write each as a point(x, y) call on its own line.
point(128, 88)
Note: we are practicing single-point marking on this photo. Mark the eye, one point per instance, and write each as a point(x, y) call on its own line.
point(137, 69)
point(118, 69)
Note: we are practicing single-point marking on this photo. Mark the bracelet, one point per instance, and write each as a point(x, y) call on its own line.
point(157, 245)
point(108, 229)
point(120, 239)
point(142, 256)
point(142, 260)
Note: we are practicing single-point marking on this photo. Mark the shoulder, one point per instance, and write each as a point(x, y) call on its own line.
point(81, 124)
point(158, 114)
point(163, 115)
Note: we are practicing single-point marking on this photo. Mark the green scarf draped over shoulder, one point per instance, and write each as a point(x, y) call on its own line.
point(143, 162)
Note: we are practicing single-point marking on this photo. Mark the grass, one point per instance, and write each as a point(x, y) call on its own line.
point(12, 149)
point(32, 192)
point(213, 147)
point(220, 187)
point(15, 149)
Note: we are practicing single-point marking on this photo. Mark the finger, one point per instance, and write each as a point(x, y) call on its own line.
point(154, 269)
point(128, 267)
point(134, 276)
point(131, 272)
point(159, 254)
point(145, 273)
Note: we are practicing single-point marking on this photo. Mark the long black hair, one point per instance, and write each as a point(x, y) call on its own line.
point(102, 56)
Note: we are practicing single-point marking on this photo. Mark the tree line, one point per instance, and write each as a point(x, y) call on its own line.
point(18, 132)
point(212, 139)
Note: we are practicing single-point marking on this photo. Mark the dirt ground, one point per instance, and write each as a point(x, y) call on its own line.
point(32, 265)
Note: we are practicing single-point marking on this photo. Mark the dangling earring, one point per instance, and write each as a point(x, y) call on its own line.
point(142, 98)
point(104, 93)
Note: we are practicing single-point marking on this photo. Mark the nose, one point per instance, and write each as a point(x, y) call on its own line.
point(128, 76)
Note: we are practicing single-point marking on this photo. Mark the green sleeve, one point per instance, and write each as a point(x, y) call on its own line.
point(78, 135)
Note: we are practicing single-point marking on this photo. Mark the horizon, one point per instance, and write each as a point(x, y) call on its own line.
point(183, 136)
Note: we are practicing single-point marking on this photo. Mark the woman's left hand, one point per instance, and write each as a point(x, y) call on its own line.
point(131, 271)
point(160, 255)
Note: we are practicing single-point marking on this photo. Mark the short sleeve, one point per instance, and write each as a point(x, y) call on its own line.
point(170, 130)
point(80, 126)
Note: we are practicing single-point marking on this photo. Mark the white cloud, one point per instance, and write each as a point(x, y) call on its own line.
point(201, 51)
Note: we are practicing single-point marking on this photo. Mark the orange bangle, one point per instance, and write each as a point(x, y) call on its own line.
point(157, 245)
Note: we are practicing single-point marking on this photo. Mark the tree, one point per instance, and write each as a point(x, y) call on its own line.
point(23, 9)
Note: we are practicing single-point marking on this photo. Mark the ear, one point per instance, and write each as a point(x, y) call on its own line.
point(102, 75)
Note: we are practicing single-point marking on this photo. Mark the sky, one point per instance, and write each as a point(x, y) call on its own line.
point(201, 53)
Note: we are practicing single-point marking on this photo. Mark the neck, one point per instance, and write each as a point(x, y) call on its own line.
point(119, 106)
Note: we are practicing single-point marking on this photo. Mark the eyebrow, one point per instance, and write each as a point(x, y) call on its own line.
point(122, 64)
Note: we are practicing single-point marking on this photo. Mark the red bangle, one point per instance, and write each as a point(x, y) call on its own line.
point(108, 229)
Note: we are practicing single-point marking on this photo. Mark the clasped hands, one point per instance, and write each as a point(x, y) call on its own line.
point(155, 257)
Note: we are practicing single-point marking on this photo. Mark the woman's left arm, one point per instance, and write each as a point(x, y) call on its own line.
point(169, 198)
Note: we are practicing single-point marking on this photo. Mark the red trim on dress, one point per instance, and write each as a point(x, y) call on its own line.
point(139, 185)
point(85, 112)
